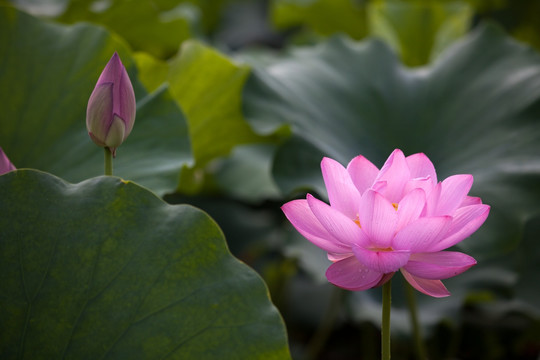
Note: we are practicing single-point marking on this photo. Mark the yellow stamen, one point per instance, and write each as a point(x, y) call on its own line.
point(395, 205)
point(357, 221)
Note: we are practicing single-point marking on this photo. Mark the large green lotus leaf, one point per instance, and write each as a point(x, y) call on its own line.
point(474, 110)
point(418, 30)
point(104, 269)
point(47, 73)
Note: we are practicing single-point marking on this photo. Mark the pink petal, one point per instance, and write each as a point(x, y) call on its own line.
point(395, 172)
point(301, 217)
point(379, 186)
point(433, 288)
point(410, 207)
point(99, 112)
point(421, 167)
point(125, 101)
point(5, 164)
point(439, 265)
point(453, 192)
point(123, 97)
point(362, 173)
point(420, 235)
point(336, 223)
point(381, 261)
point(466, 221)
point(384, 279)
point(378, 219)
point(333, 257)
point(342, 193)
point(470, 200)
point(112, 71)
point(116, 133)
point(425, 184)
point(351, 275)
point(432, 200)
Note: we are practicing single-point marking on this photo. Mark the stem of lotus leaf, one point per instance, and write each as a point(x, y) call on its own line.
point(385, 328)
point(326, 325)
point(108, 161)
point(417, 333)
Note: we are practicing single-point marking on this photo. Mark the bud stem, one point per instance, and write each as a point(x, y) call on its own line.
point(385, 328)
point(108, 161)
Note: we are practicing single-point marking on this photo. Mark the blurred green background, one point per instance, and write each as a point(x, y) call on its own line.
point(238, 101)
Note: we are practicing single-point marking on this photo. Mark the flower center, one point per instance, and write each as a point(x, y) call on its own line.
point(395, 205)
point(386, 249)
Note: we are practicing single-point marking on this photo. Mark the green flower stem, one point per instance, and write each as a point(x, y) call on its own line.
point(108, 161)
point(385, 328)
point(417, 333)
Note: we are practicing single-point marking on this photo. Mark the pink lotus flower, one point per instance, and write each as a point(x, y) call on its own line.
point(110, 114)
point(395, 218)
point(5, 164)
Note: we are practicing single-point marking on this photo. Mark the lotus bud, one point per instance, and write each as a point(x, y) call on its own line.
point(5, 164)
point(110, 114)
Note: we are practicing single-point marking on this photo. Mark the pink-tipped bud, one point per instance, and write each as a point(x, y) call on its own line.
point(110, 114)
point(5, 164)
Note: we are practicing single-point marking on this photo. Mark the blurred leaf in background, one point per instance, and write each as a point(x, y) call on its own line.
point(323, 17)
point(42, 8)
point(157, 28)
point(145, 26)
point(519, 18)
point(419, 30)
point(152, 72)
point(208, 87)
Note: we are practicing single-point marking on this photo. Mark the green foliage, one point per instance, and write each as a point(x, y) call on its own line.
point(108, 270)
point(324, 17)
